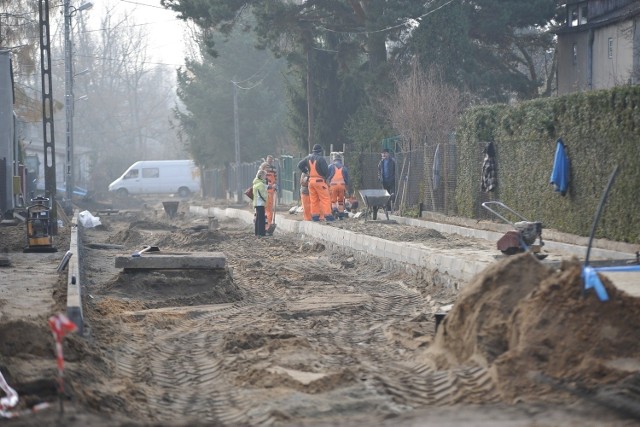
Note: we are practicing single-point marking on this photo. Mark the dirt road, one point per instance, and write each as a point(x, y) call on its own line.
point(291, 333)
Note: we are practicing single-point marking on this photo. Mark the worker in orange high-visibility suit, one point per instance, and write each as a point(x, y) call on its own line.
point(304, 196)
point(338, 184)
point(272, 187)
point(316, 167)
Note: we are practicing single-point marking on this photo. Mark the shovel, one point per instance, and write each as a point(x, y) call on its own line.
point(272, 226)
point(145, 249)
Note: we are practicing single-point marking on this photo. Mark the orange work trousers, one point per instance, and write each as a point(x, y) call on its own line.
point(306, 203)
point(338, 191)
point(270, 206)
point(320, 199)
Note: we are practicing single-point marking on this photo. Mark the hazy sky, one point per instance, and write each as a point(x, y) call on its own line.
point(166, 33)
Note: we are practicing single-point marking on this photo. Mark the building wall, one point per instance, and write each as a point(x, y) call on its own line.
point(573, 71)
point(592, 68)
point(599, 7)
point(615, 71)
point(31, 136)
point(7, 148)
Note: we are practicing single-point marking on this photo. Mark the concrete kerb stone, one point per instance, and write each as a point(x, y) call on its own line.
point(74, 293)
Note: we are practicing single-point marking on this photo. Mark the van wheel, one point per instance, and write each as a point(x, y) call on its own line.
point(122, 192)
point(183, 192)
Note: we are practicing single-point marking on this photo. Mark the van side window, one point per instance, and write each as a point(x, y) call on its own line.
point(133, 173)
point(150, 172)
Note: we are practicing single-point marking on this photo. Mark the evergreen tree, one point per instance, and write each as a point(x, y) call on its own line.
point(206, 91)
point(486, 47)
point(335, 50)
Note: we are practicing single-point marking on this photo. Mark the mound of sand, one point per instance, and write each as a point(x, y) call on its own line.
point(522, 318)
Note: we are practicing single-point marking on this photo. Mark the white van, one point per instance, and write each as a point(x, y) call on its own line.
point(158, 177)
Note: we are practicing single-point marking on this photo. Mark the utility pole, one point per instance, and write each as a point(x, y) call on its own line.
point(236, 132)
point(47, 113)
point(68, 100)
point(68, 12)
point(309, 101)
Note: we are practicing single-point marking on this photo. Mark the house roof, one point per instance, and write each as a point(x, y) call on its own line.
point(622, 14)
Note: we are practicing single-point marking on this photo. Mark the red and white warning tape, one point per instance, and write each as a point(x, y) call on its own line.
point(11, 398)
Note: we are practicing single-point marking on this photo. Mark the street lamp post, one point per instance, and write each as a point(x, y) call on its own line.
point(69, 11)
point(236, 132)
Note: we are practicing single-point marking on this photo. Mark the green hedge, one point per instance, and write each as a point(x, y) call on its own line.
point(600, 129)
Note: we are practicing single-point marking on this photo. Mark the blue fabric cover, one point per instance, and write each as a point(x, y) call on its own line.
point(561, 168)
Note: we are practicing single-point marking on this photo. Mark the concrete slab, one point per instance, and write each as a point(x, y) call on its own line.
point(173, 261)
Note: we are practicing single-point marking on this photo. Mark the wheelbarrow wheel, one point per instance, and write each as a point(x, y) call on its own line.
point(374, 213)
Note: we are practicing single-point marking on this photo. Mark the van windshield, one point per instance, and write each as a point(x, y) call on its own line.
point(133, 173)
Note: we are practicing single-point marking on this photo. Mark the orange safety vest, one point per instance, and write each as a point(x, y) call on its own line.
point(338, 177)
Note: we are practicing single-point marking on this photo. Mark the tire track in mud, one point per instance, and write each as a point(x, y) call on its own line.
point(240, 363)
point(181, 371)
point(469, 384)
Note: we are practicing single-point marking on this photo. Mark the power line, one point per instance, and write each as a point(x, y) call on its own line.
point(259, 82)
point(143, 4)
point(106, 58)
point(254, 74)
point(127, 26)
point(393, 27)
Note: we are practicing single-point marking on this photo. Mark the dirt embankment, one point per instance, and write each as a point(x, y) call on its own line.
point(536, 327)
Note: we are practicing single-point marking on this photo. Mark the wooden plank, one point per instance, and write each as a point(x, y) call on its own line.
point(187, 261)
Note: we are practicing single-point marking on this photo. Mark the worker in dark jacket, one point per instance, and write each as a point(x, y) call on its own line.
point(316, 167)
point(387, 175)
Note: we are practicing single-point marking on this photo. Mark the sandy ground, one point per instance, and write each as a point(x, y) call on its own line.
point(293, 333)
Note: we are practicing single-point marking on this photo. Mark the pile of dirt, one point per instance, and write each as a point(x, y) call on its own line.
point(13, 238)
point(523, 319)
point(21, 337)
point(168, 236)
point(394, 232)
point(177, 288)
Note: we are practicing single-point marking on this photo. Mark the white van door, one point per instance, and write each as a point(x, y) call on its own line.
point(151, 180)
point(131, 181)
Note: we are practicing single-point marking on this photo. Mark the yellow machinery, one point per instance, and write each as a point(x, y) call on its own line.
point(39, 227)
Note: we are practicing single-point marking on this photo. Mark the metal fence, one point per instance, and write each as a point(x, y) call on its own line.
point(425, 178)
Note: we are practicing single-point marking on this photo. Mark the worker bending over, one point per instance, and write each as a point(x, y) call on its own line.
point(338, 184)
point(304, 196)
point(272, 187)
point(316, 167)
